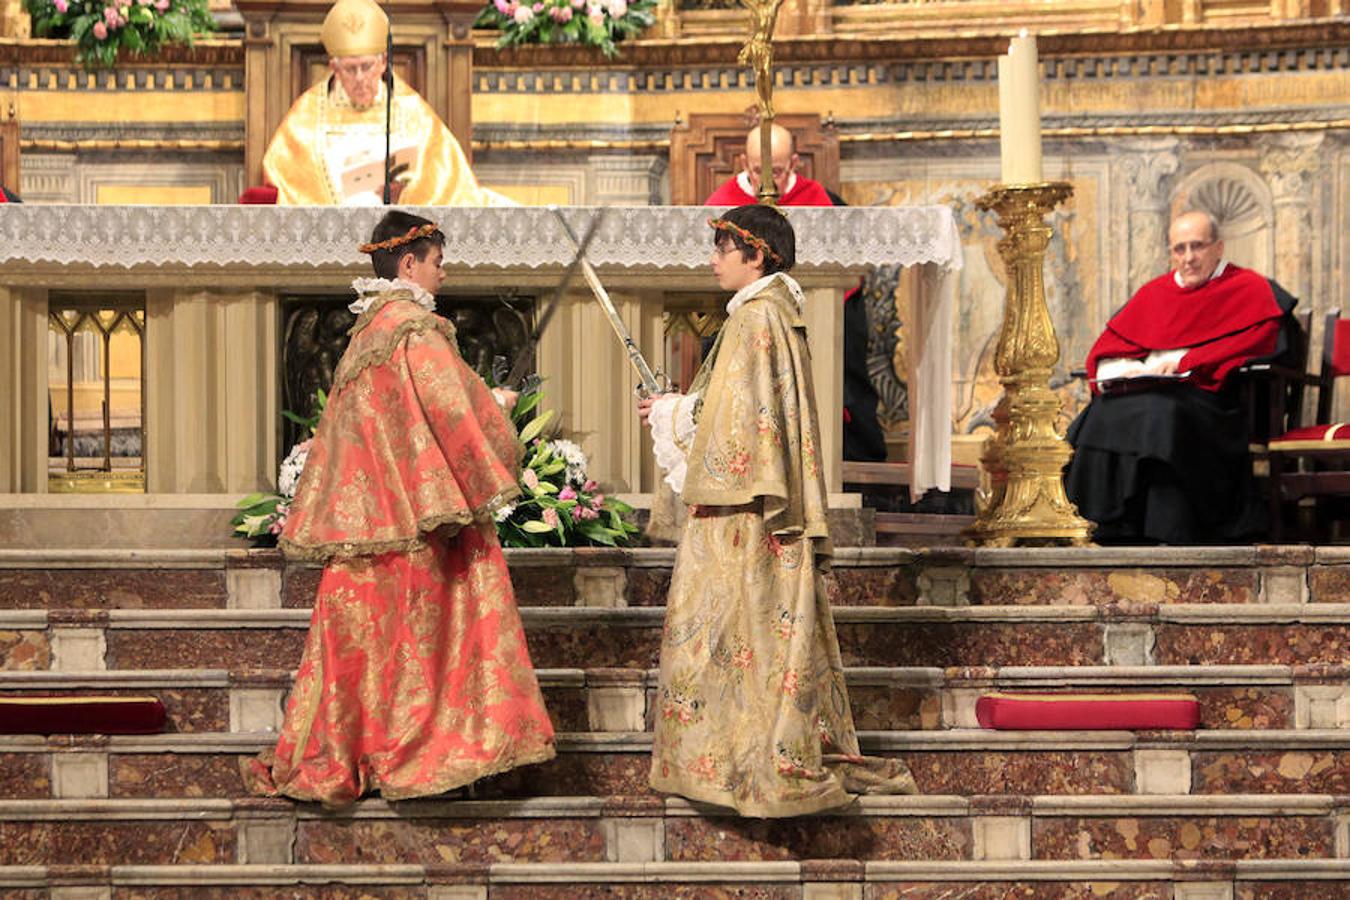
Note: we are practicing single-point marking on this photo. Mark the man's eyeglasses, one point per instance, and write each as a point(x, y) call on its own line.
point(1191, 247)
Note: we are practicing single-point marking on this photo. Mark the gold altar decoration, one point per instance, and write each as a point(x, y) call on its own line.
point(1025, 458)
point(758, 55)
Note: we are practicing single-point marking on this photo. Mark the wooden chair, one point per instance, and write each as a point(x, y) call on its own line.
point(1314, 460)
point(704, 152)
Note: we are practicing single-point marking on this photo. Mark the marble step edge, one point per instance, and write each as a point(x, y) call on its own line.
point(847, 870)
point(935, 740)
point(654, 616)
point(664, 557)
point(1153, 677)
point(927, 806)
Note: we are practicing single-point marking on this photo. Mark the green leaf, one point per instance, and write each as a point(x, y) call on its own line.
point(536, 426)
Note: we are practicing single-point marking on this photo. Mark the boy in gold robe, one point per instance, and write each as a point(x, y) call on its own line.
point(330, 148)
point(752, 711)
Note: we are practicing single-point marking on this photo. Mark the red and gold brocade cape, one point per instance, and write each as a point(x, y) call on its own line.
point(1225, 322)
point(411, 440)
point(758, 436)
point(296, 161)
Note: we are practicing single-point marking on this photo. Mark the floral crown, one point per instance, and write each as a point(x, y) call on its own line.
point(753, 240)
point(417, 231)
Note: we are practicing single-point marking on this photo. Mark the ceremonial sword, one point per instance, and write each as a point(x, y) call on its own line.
point(515, 379)
point(652, 381)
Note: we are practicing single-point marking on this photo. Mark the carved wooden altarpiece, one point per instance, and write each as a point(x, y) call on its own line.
point(704, 151)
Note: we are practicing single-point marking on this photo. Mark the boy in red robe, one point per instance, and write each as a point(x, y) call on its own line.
point(1160, 454)
point(415, 677)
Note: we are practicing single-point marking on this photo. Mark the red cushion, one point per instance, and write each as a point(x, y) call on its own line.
point(81, 715)
point(262, 195)
point(1088, 712)
point(1313, 437)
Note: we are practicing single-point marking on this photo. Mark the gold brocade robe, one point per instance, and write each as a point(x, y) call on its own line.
point(329, 153)
point(752, 711)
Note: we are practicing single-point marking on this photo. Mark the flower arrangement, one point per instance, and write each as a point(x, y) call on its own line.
point(560, 506)
point(594, 23)
point(262, 516)
point(103, 28)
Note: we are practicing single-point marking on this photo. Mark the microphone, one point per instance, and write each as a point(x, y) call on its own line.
point(388, 103)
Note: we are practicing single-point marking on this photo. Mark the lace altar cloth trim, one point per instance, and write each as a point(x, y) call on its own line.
point(663, 237)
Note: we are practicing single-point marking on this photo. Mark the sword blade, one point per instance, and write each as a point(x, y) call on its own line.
point(525, 360)
point(650, 382)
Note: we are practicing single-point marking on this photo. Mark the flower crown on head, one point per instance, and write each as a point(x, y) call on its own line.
point(417, 231)
point(753, 240)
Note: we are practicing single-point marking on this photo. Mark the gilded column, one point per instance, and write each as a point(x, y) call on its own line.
point(1292, 164)
point(23, 390)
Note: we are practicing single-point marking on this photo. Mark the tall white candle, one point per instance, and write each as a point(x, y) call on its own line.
point(1019, 92)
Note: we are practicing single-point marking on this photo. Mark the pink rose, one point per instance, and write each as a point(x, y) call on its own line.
point(590, 485)
point(567, 493)
point(110, 15)
point(538, 7)
point(523, 15)
point(577, 513)
point(597, 501)
point(530, 478)
point(502, 7)
point(561, 14)
point(161, 5)
point(61, 5)
point(100, 31)
point(551, 517)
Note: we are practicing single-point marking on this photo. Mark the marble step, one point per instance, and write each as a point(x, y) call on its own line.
point(882, 698)
point(166, 579)
point(959, 762)
point(1166, 634)
point(821, 879)
point(598, 829)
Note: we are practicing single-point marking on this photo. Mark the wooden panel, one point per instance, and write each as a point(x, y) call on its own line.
point(9, 154)
point(705, 151)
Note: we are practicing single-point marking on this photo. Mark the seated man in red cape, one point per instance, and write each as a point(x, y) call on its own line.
point(863, 438)
point(1160, 454)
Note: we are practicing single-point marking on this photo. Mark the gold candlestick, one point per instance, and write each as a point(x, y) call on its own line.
point(1026, 456)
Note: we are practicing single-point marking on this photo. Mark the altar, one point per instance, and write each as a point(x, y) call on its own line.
point(212, 284)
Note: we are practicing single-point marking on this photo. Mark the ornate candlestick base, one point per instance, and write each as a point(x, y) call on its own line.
point(1025, 458)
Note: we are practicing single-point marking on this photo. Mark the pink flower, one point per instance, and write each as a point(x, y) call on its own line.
point(567, 493)
point(61, 5)
point(523, 15)
point(578, 4)
point(561, 14)
point(618, 8)
point(597, 17)
point(100, 31)
point(597, 501)
point(502, 7)
point(538, 7)
point(530, 478)
point(590, 485)
point(110, 16)
point(578, 513)
point(551, 517)
point(586, 513)
point(145, 2)
point(161, 5)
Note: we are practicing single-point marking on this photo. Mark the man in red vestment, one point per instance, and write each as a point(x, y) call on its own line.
point(1161, 450)
point(415, 678)
point(7, 196)
point(863, 437)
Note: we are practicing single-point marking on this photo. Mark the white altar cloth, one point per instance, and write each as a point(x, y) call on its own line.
point(53, 243)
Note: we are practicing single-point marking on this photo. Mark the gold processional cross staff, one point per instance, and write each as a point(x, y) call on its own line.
point(758, 55)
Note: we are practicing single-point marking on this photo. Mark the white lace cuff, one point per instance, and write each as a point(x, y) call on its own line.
point(672, 419)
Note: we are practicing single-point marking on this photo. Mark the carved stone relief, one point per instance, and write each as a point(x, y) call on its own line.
point(1292, 164)
point(1147, 167)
